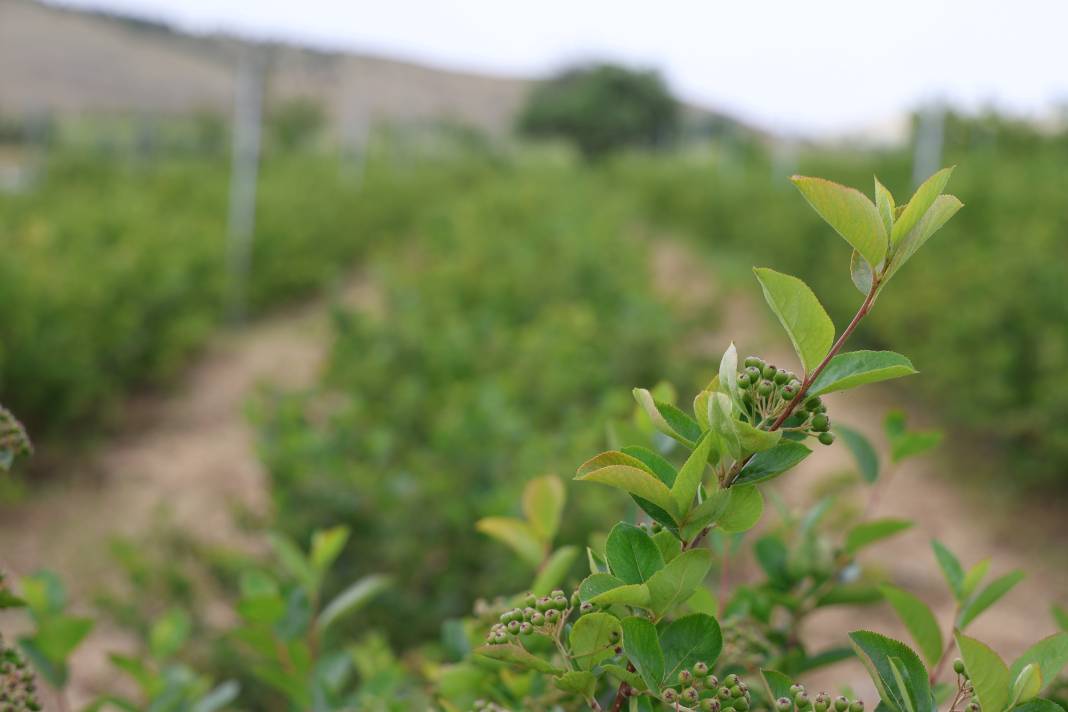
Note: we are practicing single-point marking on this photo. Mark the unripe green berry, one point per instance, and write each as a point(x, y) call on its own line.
point(685, 677)
point(781, 376)
point(544, 603)
point(560, 602)
point(587, 607)
point(857, 706)
point(710, 705)
point(794, 689)
point(737, 691)
point(744, 381)
point(537, 618)
point(576, 601)
point(755, 373)
point(513, 627)
point(700, 669)
point(765, 387)
point(741, 704)
point(768, 371)
point(826, 438)
point(724, 693)
point(973, 707)
point(753, 362)
point(820, 706)
point(551, 615)
point(841, 704)
point(783, 704)
point(821, 423)
point(525, 629)
point(731, 680)
point(690, 695)
point(530, 601)
point(556, 593)
point(802, 701)
point(788, 392)
point(958, 666)
point(669, 695)
point(711, 682)
point(813, 403)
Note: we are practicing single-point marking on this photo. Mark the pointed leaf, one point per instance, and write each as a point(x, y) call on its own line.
point(518, 656)
point(744, 510)
point(755, 440)
point(632, 478)
point(867, 533)
point(849, 212)
point(988, 597)
point(778, 684)
point(631, 594)
point(950, 566)
point(1050, 654)
point(722, 425)
point(692, 473)
point(945, 207)
point(326, 546)
point(884, 202)
point(919, 204)
point(707, 513)
point(772, 463)
point(356, 596)
point(728, 373)
point(668, 419)
point(863, 452)
point(974, 577)
point(858, 368)
point(860, 272)
point(1026, 685)
point(677, 581)
point(596, 584)
point(988, 673)
point(806, 322)
point(876, 652)
point(920, 621)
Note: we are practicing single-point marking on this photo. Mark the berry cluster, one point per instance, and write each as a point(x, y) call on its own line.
point(767, 391)
point(744, 644)
point(698, 689)
point(14, 442)
point(18, 688)
point(965, 688)
point(799, 701)
point(545, 615)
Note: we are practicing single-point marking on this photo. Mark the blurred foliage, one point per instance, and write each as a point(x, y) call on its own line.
point(296, 123)
point(602, 108)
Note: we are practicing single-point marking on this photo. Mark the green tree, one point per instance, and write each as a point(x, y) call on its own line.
point(602, 108)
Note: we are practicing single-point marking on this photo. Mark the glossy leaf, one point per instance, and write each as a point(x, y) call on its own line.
point(858, 368)
point(1026, 685)
point(633, 557)
point(629, 474)
point(989, 674)
point(944, 208)
point(919, 204)
point(754, 439)
point(771, 463)
point(596, 584)
point(850, 213)
point(728, 372)
point(642, 646)
point(806, 322)
point(919, 620)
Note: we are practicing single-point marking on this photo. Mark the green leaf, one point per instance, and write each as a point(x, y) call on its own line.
point(703, 601)
point(516, 655)
point(802, 316)
point(850, 213)
point(867, 533)
point(722, 424)
point(707, 513)
point(773, 557)
point(771, 463)
point(294, 561)
point(950, 566)
point(858, 368)
point(677, 581)
point(218, 698)
point(1050, 654)
point(668, 419)
point(884, 203)
point(10, 600)
point(354, 597)
point(642, 647)
point(778, 684)
point(919, 204)
point(728, 373)
point(692, 474)
point(57, 636)
point(1026, 685)
point(1038, 705)
point(543, 506)
point(629, 474)
point(552, 573)
point(974, 577)
point(989, 675)
point(516, 534)
point(988, 597)
point(631, 594)
point(920, 621)
point(912, 444)
point(326, 546)
point(668, 543)
point(580, 682)
point(596, 584)
point(688, 640)
point(944, 208)
point(877, 653)
point(1060, 615)
point(633, 557)
point(863, 452)
point(593, 638)
point(665, 472)
point(169, 633)
point(860, 273)
point(754, 439)
point(744, 510)
point(624, 675)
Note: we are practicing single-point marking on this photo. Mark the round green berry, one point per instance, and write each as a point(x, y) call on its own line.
point(788, 392)
point(765, 387)
point(685, 677)
point(753, 362)
point(537, 618)
point(700, 669)
point(551, 615)
point(821, 423)
point(813, 403)
point(744, 381)
point(958, 666)
point(560, 602)
point(690, 695)
point(755, 373)
point(783, 704)
point(741, 704)
point(544, 603)
point(841, 704)
point(737, 691)
point(669, 695)
point(802, 701)
point(525, 629)
point(826, 438)
point(857, 706)
point(710, 705)
point(781, 376)
point(513, 627)
point(530, 600)
point(724, 693)
point(587, 607)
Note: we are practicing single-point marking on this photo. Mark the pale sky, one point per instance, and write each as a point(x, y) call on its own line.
point(812, 67)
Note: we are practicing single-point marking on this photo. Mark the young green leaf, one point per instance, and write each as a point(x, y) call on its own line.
point(989, 675)
point(754, 440)
point(668, 419)
point(863, 452)
point(543, 506)
point(919, 620)
point(772, 463)
point(593, 638)
point(677, 581)
point(632, 555)
point(326, 546)
point(688, 640)
point(515, 533)
point(665, 472)
point(1026, 685)
point(630, 475)
point(988, 597)
point(744, 510)
point(692, 473)
point(353, 598)
point(668, 543)
point(867, 533)
point(723, 425)
point(1038, 705)
point(950, 566)
point(631, 594)
point(884, 202)
point(642, 647)
point(554, 570)
point(876, 652)
point(596, 584)
point(919, 204)
point(728, 373)
point(850, 213)
point(858, 368)
point(806, 322)
point(973, 578)
point(944, 208)
point(860, 272)
point(1049, 654)
point(706, 513)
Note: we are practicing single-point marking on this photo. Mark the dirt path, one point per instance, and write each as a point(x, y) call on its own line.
point(966, 518)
